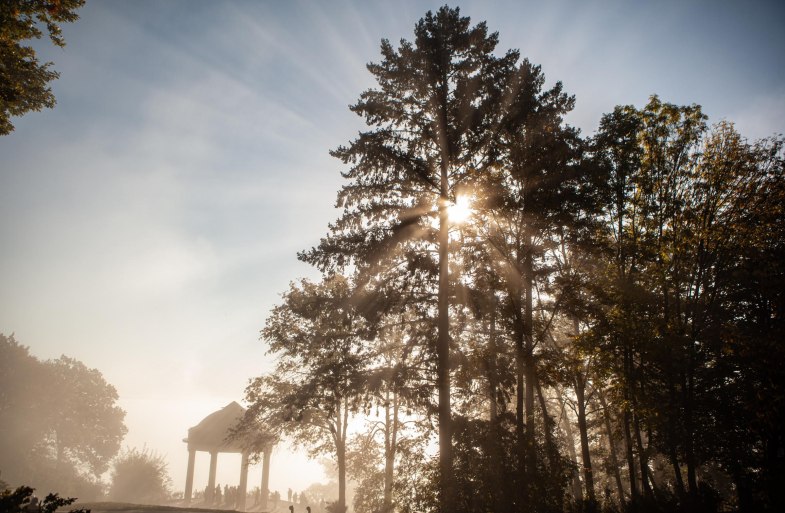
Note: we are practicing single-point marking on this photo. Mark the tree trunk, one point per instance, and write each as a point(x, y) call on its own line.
point(588, 477)
point(672, 432)
point(577, 491)
point(642, 458)
point(493, 410)
point(529, 364)
point(341, 478)
point(520, 433)
point(612, 448)
point(692, 480)
point(494, 449)
point(390, 447)
point(342, 419)
point(443, 351)
point(551, 450)
point(744, 493)
point(519, 330)
point(627, 422)
point(674, 460)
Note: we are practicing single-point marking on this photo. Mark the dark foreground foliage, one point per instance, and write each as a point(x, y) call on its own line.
point(22, 500)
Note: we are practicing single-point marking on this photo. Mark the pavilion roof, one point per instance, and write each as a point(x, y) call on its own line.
point(213, 432)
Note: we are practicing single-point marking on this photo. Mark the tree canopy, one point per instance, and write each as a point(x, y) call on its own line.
point(317, 336)
point(24, 81)
point(60, 421)
point(600, 330)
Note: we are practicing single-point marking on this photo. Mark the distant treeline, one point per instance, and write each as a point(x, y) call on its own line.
point(60, 425)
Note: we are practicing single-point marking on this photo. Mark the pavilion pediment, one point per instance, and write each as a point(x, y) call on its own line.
point(213, 433)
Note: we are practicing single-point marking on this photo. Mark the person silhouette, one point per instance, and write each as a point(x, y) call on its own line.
point(308, 508)
point(291, 508)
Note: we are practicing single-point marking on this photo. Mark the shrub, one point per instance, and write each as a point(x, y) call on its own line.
point(140, 476)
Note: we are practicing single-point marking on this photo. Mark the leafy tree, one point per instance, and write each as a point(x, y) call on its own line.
point(61, 422)
point(23, 79)
point(622, 323)
point(388, 380)
point(533, 197)
point(85, 423)
point(683, 205)
point(140, 476)
point(319, 339)
point(635, 277)
point(396, 393)
point(736, 309)
point(22, 410)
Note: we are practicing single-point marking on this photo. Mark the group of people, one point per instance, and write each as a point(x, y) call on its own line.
point(226, 497)
point(296, 499)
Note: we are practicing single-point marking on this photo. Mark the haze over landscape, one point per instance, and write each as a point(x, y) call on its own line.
point(151, 220)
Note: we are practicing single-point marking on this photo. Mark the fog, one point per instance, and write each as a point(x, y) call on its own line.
point(150, 225)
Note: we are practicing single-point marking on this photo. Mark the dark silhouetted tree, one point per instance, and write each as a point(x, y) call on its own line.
point(21, 500)
point(320, 343)
point(23, 79)
point(436, 116)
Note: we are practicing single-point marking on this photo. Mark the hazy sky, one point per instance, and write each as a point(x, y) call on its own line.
point(150, 221)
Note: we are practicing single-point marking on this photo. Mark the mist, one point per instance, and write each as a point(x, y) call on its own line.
point(542, 272)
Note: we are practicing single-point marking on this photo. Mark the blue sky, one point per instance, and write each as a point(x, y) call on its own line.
point(151, 220)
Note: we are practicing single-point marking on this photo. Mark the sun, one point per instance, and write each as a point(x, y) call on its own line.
point(460, 211)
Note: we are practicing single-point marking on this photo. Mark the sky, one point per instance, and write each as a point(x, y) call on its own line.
point(150, 221)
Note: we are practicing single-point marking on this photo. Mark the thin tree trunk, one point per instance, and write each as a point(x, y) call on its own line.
point(390, 443)
point(588, 477)
point(577, 490)
point(494, 448)
point(627, 424)
point(649, 439)
point(674, 460)
point(692, 480)
point(493, 410)
point(520, 434)
point(612, 448)
point(529, 364)
point(340, 450)
point(744, 493)
point(642, 458)
point(552, 451)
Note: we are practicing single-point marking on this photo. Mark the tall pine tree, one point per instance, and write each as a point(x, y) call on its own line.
point(434, 118)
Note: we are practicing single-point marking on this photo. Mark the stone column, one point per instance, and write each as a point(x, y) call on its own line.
point(242, 492)
point(210, 495)
point(189, 476)
point(265, 477)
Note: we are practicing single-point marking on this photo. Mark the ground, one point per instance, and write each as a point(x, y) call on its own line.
point(121, 507)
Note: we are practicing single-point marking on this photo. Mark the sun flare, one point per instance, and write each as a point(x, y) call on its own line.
point(461, 210)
